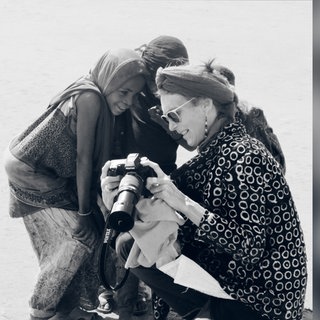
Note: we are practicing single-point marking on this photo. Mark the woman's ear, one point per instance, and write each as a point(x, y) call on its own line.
point(210, 110)
point(207, 104)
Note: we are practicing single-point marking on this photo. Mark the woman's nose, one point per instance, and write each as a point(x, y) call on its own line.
point(172, 125)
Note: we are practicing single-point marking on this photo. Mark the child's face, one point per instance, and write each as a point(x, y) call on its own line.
point(122, 98)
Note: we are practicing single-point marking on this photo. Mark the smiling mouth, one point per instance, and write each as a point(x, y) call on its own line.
point(184, 132)
point(122, 108)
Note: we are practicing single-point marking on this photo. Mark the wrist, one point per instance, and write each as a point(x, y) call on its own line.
point(193, 210)
point(85, 214)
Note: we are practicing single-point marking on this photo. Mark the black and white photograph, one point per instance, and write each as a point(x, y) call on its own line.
point(157, 160)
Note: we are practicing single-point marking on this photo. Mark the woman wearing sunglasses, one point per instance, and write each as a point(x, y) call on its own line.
point(241, 223)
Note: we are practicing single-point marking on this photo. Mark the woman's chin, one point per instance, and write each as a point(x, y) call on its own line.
point(192, 145)
point(192, 148)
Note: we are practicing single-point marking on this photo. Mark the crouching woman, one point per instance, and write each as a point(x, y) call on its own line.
point(241, 222)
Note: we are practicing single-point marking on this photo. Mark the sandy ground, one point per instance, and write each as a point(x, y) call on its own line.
point(45, 45)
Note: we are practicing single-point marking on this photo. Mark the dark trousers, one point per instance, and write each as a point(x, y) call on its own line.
point(222, 309)
point(185, 301)
point(127, 296)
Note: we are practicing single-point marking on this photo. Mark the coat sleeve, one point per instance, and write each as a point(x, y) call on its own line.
point(235, 221)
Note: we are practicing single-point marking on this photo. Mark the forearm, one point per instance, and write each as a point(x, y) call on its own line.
point(192, 210)
point(84, 172)
point(88, 110)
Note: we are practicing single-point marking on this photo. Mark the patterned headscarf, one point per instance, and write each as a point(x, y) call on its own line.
point(114, 68)
point(162, 52)
point(197, 81)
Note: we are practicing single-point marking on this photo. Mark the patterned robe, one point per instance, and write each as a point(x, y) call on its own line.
point(250, 237)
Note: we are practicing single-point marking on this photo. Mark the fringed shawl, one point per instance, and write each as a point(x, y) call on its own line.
point(42, 163)
point(47, 148)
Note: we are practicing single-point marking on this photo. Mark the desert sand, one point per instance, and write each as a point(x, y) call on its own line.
point(45, 45)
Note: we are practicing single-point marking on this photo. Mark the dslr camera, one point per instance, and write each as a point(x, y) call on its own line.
point(131, 187)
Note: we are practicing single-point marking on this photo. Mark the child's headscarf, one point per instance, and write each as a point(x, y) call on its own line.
point(114, 68)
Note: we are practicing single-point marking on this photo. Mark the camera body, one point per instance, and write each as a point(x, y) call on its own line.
point(131, 187)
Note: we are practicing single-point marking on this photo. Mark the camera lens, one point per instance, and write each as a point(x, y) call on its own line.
point(122, 213)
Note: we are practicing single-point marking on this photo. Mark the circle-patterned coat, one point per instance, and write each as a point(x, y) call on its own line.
point(250, 237)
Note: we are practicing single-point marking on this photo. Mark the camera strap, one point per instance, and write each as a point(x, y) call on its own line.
point(112, 274)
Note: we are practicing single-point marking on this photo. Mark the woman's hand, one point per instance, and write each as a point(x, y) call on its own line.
point(162, 187)
point(109, 186)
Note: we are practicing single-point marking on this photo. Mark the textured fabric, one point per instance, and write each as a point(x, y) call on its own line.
point(48, 145)
point(116, 67)
point(68, 268)
point(155, 234)
point(160, 308)
point(253, 118)
point(42, 168)
point(255, 121)
point(250, 238)
point(42, 171)
point(110, 71)
point(257, 126)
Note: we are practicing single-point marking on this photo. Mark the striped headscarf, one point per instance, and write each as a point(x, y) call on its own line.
point(197, 81)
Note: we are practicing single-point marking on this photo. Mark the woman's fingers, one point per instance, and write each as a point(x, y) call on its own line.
point(146, 162)
point(161, 188)
point(108, 197)
point(105, 169)
point(155, 184)
point(109, 186)
point(110, 182)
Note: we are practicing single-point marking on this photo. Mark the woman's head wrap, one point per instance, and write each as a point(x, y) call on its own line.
point(205, 80)
point(162, 52)
point(225, 72)
point(116, 67)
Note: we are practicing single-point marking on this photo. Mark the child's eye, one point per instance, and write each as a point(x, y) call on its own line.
point(123, 92)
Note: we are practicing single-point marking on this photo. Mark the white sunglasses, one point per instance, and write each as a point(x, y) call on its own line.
point(173, 115)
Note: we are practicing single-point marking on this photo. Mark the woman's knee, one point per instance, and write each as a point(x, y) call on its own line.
point(124, 244)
